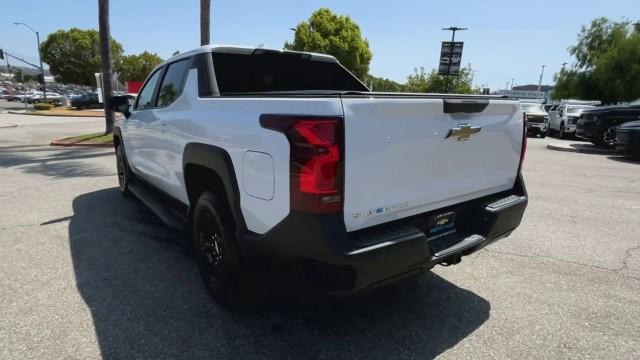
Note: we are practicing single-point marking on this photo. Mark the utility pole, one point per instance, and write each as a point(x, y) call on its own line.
point(540, 81)
point(19, 59)
point(44, 86)
point(473, 74)
point(9, 69)
point(563, 65)
point(453, 30)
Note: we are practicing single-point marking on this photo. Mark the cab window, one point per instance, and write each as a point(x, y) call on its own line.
point(145, 99)
point(172, 83)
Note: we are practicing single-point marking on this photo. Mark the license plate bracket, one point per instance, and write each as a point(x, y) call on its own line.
point(441, 224)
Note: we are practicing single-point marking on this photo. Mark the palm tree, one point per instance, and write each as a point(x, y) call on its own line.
point(105, 53)
point(205, 21)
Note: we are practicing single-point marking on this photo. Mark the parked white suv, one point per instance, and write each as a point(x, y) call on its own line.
point(284, 163)
point(564, 117)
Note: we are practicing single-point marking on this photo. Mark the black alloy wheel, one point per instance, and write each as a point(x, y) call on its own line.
point(215, 250)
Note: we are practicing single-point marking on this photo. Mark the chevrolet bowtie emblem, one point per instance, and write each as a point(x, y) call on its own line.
point(463, 132)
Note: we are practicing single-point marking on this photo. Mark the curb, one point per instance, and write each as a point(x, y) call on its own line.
point(594, 150)
point(66, 144)
point(58, 115)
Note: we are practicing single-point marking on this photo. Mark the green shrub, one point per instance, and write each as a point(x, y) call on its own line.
point(42, 106)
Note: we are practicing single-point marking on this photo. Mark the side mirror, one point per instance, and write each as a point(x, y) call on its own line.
point(121, 104)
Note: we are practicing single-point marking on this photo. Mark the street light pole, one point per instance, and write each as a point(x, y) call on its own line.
point(453, 30)
point(44, 86)
point(540, 81)
point(473, 74)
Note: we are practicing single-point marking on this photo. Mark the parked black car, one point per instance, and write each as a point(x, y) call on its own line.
point(628, 138)
point(86, 101)
point(598, 125)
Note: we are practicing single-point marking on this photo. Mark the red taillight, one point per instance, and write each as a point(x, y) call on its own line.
point(524, 141)
point(315, 161)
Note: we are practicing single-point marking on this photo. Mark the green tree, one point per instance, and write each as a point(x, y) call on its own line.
point(432, 82)
point(595, 40)
point(29, 78)
point(607, 66)
point(136, 67)
point(418, 81)
point(19, 77)
point(382, 84)
point(573, 84)
point(337, 35)
point(74, 55)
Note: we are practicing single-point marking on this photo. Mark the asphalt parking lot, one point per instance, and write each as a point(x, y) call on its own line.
point(85, 273)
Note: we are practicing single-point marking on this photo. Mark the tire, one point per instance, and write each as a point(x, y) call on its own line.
point(215, 250)
point(124, 172)
point(609, 137)
point(561, 133)
point(543, 134)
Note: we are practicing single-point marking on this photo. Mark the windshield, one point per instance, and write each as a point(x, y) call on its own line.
point(635, 103)
point(532, 108)
point(577, 109)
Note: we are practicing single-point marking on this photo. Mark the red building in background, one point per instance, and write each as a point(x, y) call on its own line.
point(133, 87)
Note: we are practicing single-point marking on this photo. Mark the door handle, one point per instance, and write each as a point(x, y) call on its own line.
point(164, 126)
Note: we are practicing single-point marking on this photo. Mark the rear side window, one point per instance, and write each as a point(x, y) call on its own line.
point(172, 83)
point(145, 99)
point(276, 71)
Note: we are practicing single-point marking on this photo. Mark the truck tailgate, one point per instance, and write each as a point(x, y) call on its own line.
point(399, 161)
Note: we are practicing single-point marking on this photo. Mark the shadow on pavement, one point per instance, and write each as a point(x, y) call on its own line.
point(56, 163)
point(592, 148)
point(625, 159)
point(147, 301)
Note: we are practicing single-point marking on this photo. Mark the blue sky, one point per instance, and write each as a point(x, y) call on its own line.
point(505, 40)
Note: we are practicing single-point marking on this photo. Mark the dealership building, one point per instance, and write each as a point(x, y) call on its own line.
point(528, 92)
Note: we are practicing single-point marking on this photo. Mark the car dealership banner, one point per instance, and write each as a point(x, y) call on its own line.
point(450, 58)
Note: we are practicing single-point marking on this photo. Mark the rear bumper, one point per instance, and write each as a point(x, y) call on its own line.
point(315, 253)
point(628, 141)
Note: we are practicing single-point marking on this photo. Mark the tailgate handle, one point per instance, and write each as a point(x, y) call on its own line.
point(452, 106)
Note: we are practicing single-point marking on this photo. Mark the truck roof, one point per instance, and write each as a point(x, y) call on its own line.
point(580, 102)
point(247, 50)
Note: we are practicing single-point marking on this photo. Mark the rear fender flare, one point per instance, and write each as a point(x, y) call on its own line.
point(219, 162)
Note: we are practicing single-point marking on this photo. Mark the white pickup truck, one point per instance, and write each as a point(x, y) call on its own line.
point(284, 163)
point(564, 117)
